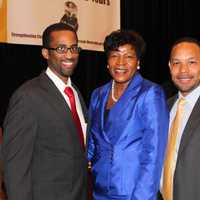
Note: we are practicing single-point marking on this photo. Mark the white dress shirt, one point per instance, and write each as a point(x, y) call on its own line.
point(61, 87)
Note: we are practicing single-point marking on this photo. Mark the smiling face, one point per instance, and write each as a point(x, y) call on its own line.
point(185, 66)
point(123, 63)
point(62, 64)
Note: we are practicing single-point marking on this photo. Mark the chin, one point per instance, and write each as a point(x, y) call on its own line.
point(185, 89)
point(68, 72)
point(123, 80)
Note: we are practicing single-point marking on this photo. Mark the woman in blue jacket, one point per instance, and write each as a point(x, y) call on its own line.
point(128, 126)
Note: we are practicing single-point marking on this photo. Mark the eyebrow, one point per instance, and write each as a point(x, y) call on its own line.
point(67, 45)
point(175, 58)
point(191, 58)
point(118, 51)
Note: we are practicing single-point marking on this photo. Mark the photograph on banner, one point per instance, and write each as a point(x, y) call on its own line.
point(92, 19)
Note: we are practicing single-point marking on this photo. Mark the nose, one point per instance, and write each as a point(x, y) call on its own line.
point(68, 54)
point(184, 67)
point(121, 60)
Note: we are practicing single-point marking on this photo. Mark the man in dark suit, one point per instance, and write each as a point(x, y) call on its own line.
point(42, 152)
point(183, 179)
point(2, 189)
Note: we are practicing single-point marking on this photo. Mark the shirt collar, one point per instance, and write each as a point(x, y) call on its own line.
point(192, 96)
point(57, 81)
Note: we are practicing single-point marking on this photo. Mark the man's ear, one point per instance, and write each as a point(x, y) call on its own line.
point(169, 64)
point(45, 53)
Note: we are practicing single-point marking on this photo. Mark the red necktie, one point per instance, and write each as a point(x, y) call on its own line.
point(69, 92)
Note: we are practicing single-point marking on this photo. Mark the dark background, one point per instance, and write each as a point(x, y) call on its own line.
point(160, 22)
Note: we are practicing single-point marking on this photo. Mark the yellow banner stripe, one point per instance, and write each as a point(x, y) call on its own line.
point(3, 20)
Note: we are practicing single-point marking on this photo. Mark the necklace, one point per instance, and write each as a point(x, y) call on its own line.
point(112, 92)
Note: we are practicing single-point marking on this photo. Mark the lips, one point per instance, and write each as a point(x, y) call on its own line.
point(67, 64)
point(120, 71)
point(184, 79)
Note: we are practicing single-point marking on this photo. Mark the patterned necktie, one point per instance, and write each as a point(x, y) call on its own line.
point(69, 92)
point(167, 189)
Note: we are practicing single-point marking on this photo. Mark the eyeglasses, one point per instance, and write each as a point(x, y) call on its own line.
point(63, 49)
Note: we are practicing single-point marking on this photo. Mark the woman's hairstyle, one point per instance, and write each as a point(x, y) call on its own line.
point(121, 37)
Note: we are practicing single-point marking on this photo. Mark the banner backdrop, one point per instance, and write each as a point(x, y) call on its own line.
point(23, 21)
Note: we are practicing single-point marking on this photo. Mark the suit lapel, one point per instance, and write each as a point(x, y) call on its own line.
point(103, 94)
point(192, 123)
point(171, 101)
point(55, 98)
point(83, 106)
point(125, 103)
point(131, 91)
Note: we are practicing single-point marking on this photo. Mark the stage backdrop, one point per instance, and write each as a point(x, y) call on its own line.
point(23, 21)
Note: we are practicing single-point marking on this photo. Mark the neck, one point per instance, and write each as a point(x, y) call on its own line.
point(117, 90)
point(113, 91)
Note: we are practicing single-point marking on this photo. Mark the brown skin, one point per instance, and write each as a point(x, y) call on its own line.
point(185, 66)
point(122, 65)
point(62, 65)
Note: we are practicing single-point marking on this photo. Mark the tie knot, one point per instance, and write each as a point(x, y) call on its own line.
point(181, 102)
point(69, 92)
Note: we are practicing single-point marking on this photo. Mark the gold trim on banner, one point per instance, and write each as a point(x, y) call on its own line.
point(3, 20)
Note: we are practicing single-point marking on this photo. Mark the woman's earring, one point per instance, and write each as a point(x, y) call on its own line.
point(138, 67)
point(108, 66)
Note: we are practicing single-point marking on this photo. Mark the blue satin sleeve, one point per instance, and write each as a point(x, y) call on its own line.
point(155, 118)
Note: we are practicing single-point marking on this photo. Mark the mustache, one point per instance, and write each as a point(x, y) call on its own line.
point(184, 76)
point(69, 60)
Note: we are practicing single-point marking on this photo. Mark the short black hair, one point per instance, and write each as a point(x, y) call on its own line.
point(185, 39)
point(122, 37)
point(46, 36)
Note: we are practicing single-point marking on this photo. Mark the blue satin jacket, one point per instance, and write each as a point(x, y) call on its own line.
point(127, 149)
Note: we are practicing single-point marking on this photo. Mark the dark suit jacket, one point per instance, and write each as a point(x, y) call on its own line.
point(42, 156)
point(187, 172)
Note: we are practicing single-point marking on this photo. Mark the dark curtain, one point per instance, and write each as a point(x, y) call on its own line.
point(160, 22)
